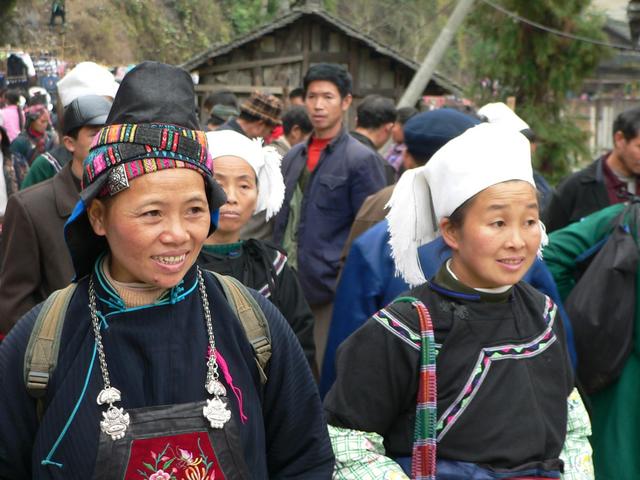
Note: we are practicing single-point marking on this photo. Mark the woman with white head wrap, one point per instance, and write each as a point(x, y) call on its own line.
point(503, 374)
point(250, 176)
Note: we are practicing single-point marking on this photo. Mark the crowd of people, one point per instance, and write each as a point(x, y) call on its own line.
point(267, 294)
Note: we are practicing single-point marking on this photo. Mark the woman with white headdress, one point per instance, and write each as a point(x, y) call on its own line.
point(505, 405)
point(250, 176)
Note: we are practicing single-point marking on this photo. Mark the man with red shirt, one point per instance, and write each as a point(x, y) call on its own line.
point(609, 180)
point(327, 179)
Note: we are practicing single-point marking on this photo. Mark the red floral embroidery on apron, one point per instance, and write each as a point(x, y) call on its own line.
point(187, 456)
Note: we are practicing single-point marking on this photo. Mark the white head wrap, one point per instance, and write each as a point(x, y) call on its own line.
point(86, 78)
point(265, 161)
point(483, 156)
point(501, 114)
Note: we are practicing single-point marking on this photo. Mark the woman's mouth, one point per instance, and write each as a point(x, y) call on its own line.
point(229, 214)
point(511, 263)
point(169, 259)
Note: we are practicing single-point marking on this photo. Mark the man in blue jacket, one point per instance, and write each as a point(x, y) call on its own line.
point(327, 179)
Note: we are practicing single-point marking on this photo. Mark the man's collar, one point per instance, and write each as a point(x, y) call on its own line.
point(332, 143)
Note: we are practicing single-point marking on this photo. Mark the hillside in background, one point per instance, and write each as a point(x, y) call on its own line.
point(117, 32)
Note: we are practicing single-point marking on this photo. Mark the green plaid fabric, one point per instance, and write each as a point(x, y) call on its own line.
point(360, 456)
point(576, 453)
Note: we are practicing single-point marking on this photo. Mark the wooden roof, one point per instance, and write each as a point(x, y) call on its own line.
point(307, 11)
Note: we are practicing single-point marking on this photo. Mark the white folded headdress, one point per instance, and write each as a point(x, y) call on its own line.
point(483, 156)
point(265, 161)
point(500, 113)
point(86, 78)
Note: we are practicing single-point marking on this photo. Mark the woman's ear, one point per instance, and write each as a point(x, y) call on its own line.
point(450, 234)
point(97, 213)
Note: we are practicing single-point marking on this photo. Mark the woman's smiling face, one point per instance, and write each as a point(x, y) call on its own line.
point(155, 228)
point(499, 236)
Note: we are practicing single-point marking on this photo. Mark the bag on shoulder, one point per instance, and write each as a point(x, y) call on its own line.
point(602, 305)
point(41, 356)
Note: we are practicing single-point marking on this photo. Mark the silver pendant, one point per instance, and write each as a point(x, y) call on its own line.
point(216, 412)
point(216, 388)
point(109, 395)
point(115, 422)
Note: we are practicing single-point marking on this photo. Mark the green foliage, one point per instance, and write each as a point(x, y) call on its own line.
point(539, 69)
point(173, 30)
point(246, 15)
point(6, 9)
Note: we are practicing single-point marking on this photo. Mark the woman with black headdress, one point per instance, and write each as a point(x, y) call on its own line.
point(155, 376)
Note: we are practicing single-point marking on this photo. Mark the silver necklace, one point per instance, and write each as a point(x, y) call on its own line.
point(115, 420)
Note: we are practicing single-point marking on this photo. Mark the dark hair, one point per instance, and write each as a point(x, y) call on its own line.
point(375, 111)
point(13, 97)
point(404, 114)
point(223, 97)
point(296, 115)
point(529, 134)
point(247, 117)
point(38, 99)
point(296, 92)
point(330, 72)
point(456, 219)
point(419, 160)
point(73, 133)
point(215, 120)
point(628, 122)
point(459, 214)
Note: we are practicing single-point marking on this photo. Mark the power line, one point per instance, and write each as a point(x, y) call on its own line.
point(515, 16)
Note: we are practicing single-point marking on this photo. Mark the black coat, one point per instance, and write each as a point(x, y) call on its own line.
point(156, 355)
point(515, 417)
point(577, 196)
point(264, 268)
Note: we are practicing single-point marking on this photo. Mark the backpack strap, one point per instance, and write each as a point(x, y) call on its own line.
point(252, 319)
point(41, 356)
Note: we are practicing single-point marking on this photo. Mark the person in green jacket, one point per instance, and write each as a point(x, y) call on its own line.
point(615, 417)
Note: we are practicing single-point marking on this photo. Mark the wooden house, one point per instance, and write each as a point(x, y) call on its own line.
point(275, 57)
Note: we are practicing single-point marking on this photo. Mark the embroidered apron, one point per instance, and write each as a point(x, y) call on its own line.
point(172, 442)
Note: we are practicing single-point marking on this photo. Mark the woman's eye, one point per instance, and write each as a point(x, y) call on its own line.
point(499, 223)
point(196, 210)
point(532, 222)
point(151, 213)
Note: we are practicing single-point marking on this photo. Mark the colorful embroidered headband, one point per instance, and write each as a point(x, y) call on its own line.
point(127, 151)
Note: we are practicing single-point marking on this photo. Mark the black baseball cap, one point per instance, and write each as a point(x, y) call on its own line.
point(88, 110)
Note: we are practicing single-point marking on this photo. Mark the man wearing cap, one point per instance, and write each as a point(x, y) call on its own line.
point(259, 115)
point(35, 259)
point(219, 115)
point(86, 78)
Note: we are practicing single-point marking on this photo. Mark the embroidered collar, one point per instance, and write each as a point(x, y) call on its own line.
point(231, 250)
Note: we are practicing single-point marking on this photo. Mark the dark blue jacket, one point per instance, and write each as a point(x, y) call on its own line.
point(347, 173)
point(368, 283)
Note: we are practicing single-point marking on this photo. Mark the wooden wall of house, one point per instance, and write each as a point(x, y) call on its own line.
point(275, 63)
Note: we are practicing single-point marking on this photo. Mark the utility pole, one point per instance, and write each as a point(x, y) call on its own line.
point(420, 80)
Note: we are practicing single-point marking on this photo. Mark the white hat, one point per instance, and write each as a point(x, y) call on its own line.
point(483, 156)
point(265, 161)
point(499, 113)
point(86, 78)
